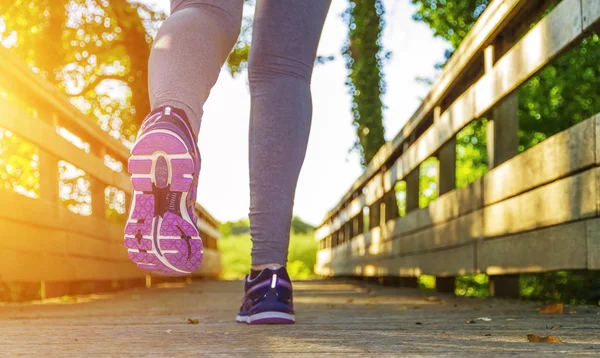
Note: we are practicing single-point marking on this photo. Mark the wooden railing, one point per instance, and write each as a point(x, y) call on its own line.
point(536, 211)
point(42, 242)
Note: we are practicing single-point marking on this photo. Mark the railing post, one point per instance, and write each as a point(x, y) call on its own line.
point(505, 286)
point(445, 284)
point(48, 177)
point(503, 127)
point(98, 188)
point(49, 172)
point(503, 131)
point(447, 164)
point(412, 190)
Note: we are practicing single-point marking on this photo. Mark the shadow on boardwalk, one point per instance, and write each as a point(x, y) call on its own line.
point(338, 318)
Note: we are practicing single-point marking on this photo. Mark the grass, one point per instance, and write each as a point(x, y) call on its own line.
point(235, 256)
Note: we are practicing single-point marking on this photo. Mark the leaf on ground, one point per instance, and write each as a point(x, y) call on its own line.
point(487, 335)
point(485, 319)
point(402, 308)
point(192, 321)
point(350, 300)
point(553, 308)
point(471, 321)
point(532, 338)
point(169, 330)
point(554, 327)
point(433, 299)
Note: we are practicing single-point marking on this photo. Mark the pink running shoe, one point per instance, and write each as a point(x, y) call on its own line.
point(161, 235)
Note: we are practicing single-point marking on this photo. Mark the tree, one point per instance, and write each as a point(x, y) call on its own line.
point(96, 46)
point(364, 60)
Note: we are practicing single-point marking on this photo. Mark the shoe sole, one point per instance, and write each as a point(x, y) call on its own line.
point(267, 318)
point(169, 244)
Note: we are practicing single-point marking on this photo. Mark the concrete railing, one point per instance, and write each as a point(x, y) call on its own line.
point(536, 211)
point(42, 241)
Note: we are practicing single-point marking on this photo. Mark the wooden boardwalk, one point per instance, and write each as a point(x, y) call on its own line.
point(336, 318)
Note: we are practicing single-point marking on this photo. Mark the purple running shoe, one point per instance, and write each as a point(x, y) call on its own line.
point(267, 299)
point(161, 234)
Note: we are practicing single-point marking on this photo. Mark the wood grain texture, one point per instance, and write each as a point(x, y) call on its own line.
point(591, 13)
point(569, 199)
point(334, 319)
point(561, 247)
point(567, 152)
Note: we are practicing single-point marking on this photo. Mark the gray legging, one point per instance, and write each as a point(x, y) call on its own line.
point(188, 53)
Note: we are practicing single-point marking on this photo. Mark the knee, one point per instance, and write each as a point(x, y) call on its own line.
point(228, 14)
point(273, 67)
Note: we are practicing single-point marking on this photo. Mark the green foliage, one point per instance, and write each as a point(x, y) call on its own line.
point(471, 153)
point(74, 188)
point(364, 60)
point(450, 20)
point(235, 247)
point(301, 227)
point(428, 181)
point(19, 165)
point(116, 208)
point(570, 287)
point(563, 94)
point(231, 228)
point(235, 256)
point(400, 190)
point(426, 282)
point(476, 285)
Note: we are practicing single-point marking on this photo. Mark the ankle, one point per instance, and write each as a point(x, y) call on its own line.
point(271, 266)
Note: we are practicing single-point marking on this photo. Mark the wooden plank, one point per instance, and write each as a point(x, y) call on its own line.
point(567, 152)
point(335, 318)
point(454, 232)
point(450, 262)
point(28, 238)
point(541, 44)
point(445, 208)
point(591, 13)
point(561, 247)
point(29, 266)
point(45, 215)
point(568, 199)
point(593, 243)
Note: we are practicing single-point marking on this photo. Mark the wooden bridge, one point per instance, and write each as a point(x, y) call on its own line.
point(532, 212)
point(61, 226)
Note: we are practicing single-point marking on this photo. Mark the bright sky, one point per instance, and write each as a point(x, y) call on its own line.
point(329, 169)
